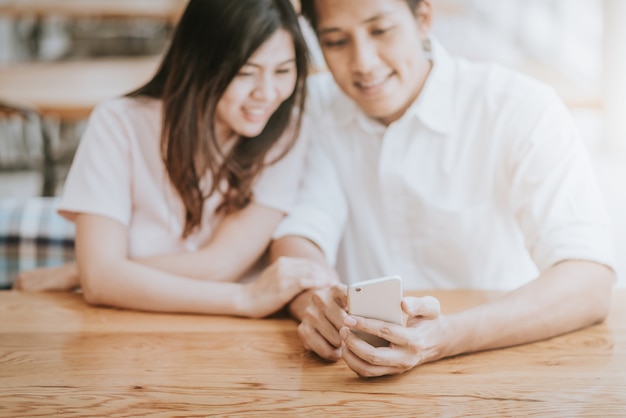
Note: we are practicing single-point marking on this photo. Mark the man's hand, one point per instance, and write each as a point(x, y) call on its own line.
point(421, 341)
point(321, 321)
point(321, 311)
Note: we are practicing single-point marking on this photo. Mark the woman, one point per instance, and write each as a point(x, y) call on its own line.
point(176, 189)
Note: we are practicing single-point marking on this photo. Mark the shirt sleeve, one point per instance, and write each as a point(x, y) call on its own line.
point(99, 180)
point(321, 210)
point(554, 194)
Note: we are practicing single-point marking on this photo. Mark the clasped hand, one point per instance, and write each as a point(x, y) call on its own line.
point(326, 330)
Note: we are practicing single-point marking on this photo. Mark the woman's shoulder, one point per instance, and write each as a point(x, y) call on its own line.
point(126, 121)
point(127, 108)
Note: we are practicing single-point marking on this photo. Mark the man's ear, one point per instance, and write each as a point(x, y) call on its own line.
point(424, 17)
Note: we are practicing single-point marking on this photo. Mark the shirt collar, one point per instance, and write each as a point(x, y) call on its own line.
point(433, 106)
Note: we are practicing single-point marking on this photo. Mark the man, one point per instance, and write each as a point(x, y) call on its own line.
point(449, 173)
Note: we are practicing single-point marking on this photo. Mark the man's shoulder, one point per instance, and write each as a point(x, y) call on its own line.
point(501, 85)
point(321, 85)
point(325, 99)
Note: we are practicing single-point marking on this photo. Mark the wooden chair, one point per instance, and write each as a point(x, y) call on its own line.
point(29, 115)
point(66, 92)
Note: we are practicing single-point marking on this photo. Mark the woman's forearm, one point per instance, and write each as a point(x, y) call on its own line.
point(201, 264)
point(237, 243)
point(127, 284)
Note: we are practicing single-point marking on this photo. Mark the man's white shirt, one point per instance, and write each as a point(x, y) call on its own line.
point(482, 183)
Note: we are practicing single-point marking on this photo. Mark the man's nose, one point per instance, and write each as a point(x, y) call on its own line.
point(364, 56)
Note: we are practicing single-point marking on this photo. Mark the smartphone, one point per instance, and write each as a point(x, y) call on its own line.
point(378, 299)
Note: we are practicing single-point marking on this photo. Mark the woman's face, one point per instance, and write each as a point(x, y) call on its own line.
point(374, 50)
point(262, 84)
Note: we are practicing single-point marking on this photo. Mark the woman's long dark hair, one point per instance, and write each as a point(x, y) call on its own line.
point(211, 43)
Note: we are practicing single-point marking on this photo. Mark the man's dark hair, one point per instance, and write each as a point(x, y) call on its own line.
point(307, 8)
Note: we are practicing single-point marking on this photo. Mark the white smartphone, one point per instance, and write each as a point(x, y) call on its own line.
point(378, 299)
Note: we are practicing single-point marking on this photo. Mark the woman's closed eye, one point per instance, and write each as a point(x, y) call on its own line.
point(287, 70)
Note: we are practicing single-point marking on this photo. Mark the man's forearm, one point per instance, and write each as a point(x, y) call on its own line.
point(294, 246)
point(298, 247)
point(566, 297)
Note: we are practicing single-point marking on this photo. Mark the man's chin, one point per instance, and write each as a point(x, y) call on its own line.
point(378, 113)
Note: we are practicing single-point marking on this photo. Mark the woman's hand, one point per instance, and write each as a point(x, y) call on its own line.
point(421, 341)
point(280, 283)
point(47, 279)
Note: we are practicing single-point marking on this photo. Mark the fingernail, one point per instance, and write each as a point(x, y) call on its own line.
point(309, 283)
point(343, 332)
point(349, 321)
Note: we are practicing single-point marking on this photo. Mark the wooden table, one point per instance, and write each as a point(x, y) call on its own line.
point(60, 357)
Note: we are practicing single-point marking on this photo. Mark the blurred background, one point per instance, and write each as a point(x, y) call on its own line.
point(58, 58)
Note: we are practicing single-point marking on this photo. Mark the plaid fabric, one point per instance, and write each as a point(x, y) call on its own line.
point(32, 235)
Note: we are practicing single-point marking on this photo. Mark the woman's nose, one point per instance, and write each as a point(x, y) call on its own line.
point(265, 89)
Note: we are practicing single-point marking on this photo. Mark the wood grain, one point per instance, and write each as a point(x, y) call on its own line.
point(60, 357)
